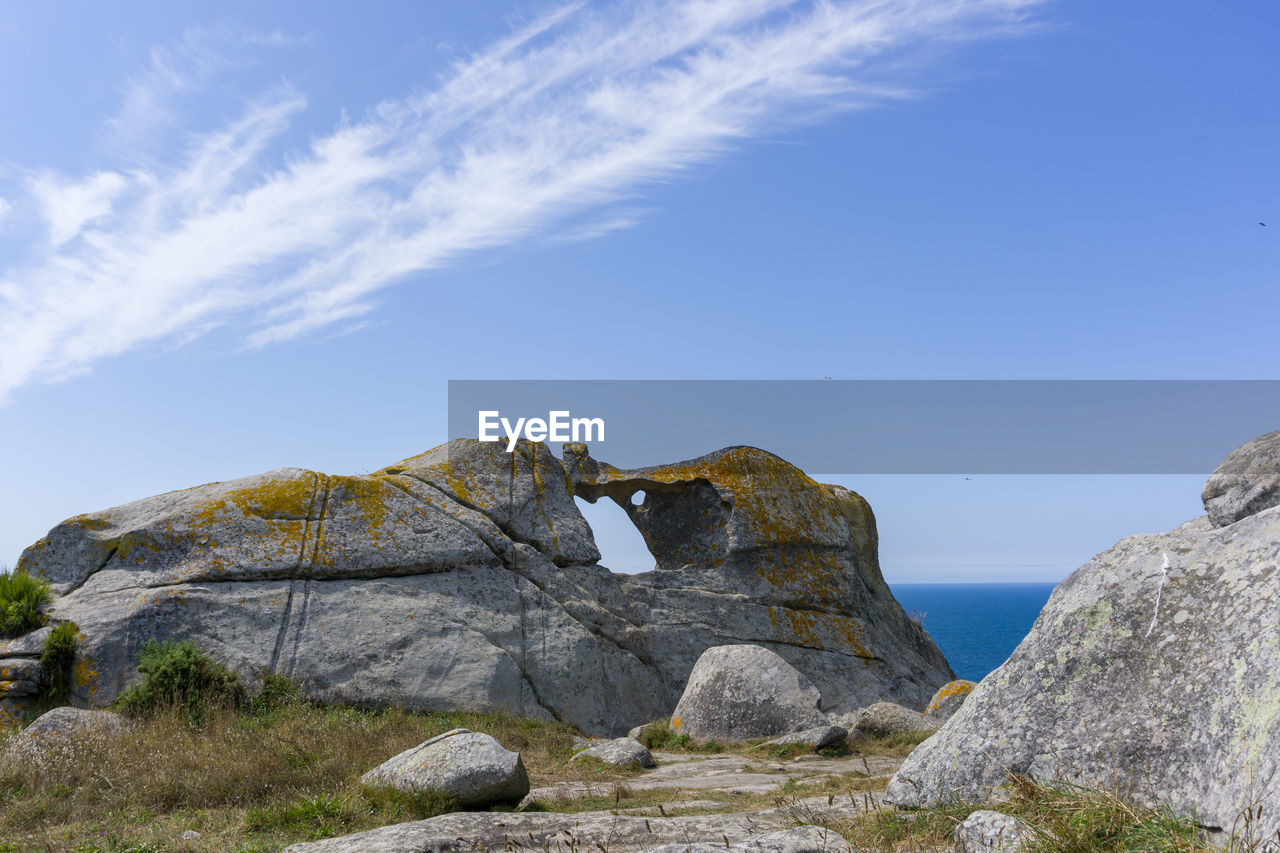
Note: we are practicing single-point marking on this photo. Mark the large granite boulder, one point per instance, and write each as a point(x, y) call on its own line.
point(470, 767)
point(466, 578)
point(736, 693)
point(1247, 481)
point(1152, 669)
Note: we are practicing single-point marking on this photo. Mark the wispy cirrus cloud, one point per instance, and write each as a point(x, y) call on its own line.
point(572, 113)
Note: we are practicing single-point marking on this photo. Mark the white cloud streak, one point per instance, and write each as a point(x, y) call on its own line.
point(567, 116)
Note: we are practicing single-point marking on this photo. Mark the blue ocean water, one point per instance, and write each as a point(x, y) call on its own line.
point(977, 625)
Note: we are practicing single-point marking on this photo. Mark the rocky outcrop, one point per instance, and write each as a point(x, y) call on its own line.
point(948, 699)
point(736, 693)
point(466, 578)
point(1246, 483)
point(620, 752)
point(57, 734)
point(992, 832)
point(470, 767)
point(769, 831)
point(1151, 670)
point(885, 718)
point(817, 738)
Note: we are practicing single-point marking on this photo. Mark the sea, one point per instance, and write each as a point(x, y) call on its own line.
point(977, 625)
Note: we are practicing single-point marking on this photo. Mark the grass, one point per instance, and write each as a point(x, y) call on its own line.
point(22, 598)
point(252, 779)
point(1062, 819)
point(659, 735)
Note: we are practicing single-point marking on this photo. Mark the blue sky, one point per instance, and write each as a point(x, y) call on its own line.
point(239, 236)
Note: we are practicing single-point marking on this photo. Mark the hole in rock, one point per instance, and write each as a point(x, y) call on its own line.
point(637, 498)
point(622, 548)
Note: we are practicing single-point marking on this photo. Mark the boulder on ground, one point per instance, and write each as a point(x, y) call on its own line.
point(69, 721)
point(472, 768)
point(991, 832)
point(948, 699)
point(639, 732)
point(816, 738)
point(1246, 483)
point(55, 734)
point(1151, 670)
point(886, 718)
point(623, 752)
point(740, 692)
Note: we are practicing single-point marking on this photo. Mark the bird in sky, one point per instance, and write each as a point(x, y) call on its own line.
point(1263, 224)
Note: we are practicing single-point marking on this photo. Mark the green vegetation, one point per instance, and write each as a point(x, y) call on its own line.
point(1062, 819)
point(21, 599)
point(57, 659)
point(660, 735)
point(177, 674)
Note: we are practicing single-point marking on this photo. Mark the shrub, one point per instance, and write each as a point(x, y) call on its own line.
point(21, 597)
point(660, 735)
point(278, 693)
point(179, 674)
point(57, 659)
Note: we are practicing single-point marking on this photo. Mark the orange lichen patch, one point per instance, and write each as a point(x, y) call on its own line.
point(676, 723)
point(83, 675)
point(800, 574)
point(827, 631)
point(282, 498)
point(774, 502)
point(10, 717)
point(955, 688)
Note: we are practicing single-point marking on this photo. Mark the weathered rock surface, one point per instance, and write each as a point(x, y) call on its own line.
point(991, 832)
point(948, 699)
point(1151, 669)
point(472, 768)
point(57, 732)
point(1246, 483)
point(682, 773)
point(640, 731)
point(68, 721)
point(623, 752)
point(886, 718)
point(543, 831)
point(740, 692)
point(466, 578)
point(816, 738)
point(798, 839)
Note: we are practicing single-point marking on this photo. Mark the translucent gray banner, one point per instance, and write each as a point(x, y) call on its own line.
point(886, 426)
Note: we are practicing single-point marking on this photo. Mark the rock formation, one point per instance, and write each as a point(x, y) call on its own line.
point(468, 766)
point(1150, 670)
point(885, 718)
point(736, 693)
point(1247, 481)
point(466, 578)
point(948, 699)
point(620, 752)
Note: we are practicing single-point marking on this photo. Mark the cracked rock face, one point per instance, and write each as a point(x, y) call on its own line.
point(466, 578)
point(1152, 669)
